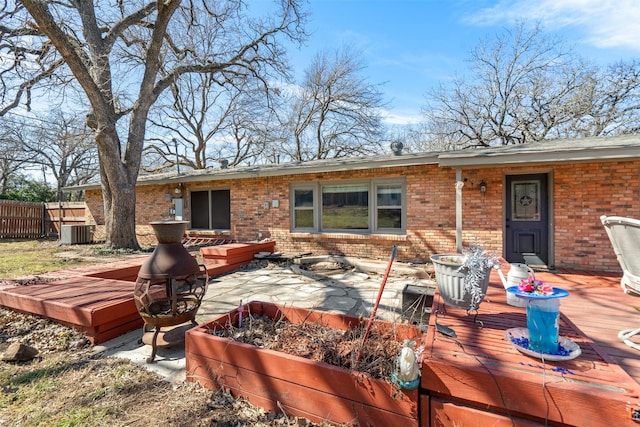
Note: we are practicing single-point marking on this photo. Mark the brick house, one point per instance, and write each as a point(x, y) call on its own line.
point(538, 203)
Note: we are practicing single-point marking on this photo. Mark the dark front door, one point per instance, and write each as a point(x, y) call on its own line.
point(527, 219)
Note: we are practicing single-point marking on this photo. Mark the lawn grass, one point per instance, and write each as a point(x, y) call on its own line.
point(26, 257)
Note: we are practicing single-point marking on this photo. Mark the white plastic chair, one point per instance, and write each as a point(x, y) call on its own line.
point(624, 234)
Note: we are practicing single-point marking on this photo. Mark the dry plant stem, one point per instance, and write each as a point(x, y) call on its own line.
point(284, 413)
point(320, 343)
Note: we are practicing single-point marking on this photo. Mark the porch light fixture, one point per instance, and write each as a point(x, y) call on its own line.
point(483, 187)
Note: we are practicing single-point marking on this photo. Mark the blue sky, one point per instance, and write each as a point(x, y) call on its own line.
point(409, 46)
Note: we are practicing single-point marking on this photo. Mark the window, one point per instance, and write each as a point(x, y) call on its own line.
point(303, 208)
point(525, 205)
point(345, 207)
point(389, 206)
point(211, 210)
point(375, 206)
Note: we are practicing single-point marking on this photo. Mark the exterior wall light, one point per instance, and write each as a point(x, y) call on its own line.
point(483, 187)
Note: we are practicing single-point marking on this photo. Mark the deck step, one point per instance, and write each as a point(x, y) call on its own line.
point(236, 252)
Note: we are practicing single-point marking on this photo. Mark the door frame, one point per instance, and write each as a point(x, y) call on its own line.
point(550, 211)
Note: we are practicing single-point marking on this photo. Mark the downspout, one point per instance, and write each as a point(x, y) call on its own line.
point(459, 185)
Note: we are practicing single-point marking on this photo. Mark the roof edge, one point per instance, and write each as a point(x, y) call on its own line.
point(298, 168)
point(556, 156)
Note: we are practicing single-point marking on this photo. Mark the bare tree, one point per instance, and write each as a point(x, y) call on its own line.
point(195, 115)
point(253, 128)
point(524, 87)
point(336, 112)
point(12, 156)
point(211, 123)
point(64, 147)
point(124, 56)
point(610, 101)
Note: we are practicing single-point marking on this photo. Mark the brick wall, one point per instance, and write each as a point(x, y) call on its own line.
point(152, 204)
point(581, 193)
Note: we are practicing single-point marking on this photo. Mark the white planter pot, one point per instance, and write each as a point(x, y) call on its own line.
point(450, 280)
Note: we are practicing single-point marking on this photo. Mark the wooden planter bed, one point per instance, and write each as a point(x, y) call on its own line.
point(301, 387)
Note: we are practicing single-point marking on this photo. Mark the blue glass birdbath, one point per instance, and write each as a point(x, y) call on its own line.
point(543, 314)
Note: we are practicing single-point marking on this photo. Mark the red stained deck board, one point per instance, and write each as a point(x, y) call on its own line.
point(447, 414)
point(88, 270)
point(230, 251)
point(126, 273)
point(222, 259)
point(97, 337)
point(483, 368)
point(218, 269)
point(82, 301)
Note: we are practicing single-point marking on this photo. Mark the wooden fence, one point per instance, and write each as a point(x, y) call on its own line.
point(65, 213)
point(20, 219)
point(25, 220)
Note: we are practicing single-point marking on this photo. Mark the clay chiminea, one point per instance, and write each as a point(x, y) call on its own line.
point(170, 285)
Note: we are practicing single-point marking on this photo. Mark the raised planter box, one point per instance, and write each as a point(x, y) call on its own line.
point(301, 387)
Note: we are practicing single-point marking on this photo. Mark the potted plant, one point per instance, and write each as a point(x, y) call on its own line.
point(462, 279)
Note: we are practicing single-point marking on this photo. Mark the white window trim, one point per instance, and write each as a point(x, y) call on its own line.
point(403, 206)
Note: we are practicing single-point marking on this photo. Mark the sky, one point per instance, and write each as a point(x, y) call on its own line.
point(410, 46)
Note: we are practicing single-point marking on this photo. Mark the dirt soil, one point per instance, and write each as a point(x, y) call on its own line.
point(322, 344)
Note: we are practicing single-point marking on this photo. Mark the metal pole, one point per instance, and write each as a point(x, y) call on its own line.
point(175, 144)
point(458, 211)
point(375, 306)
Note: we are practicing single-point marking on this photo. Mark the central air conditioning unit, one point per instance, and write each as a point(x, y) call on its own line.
point(75, 234)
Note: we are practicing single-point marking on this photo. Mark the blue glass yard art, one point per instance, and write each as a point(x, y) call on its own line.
point(541, 337)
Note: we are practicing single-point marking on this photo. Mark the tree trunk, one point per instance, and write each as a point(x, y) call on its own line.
point(120, 219)
point(118, 181)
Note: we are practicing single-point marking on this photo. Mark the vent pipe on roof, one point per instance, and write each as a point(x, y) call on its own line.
point(396, 147)
point(224, 163)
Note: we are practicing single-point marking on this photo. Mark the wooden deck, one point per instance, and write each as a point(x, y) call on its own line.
point(483, 379)
point(86, 298)
point(98, 299)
